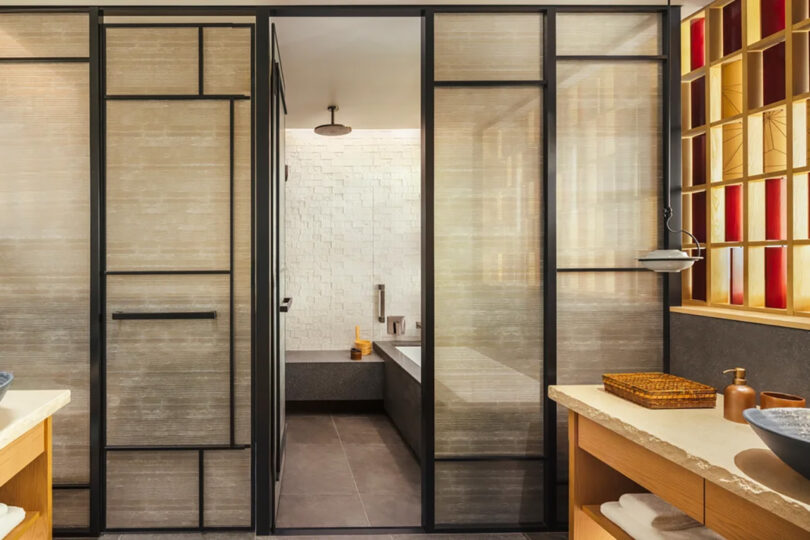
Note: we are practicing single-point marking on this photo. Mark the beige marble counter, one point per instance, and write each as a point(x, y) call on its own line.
point(20, 410)
point(700, 440)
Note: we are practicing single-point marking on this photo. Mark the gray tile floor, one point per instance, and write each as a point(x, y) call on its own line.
point(348, 470)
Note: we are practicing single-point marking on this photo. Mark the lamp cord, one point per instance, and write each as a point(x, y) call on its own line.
point(668, 216)
point(668, 208)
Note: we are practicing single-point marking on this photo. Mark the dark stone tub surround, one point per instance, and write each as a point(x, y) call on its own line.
point(776, 358)
point(403, 391)
point(318, 381)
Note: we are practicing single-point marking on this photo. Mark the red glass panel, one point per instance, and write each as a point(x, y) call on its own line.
point(697, 31)
point(772, 16)
point(773, 73)
point(732, 27)
point(734, 210)
point(775, 209)
point(699, 160)
point(699, 278)
point(699, 215)
point(776, 277)
point(698, 91)
point(737, 271)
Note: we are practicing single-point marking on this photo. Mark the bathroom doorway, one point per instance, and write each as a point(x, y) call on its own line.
point(347, 250)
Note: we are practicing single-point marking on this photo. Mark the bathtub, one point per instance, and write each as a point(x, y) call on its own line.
point(402, 388)
point(413, 352)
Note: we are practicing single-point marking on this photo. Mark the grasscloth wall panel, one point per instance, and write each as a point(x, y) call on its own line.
point(152, 61)
point(167, 380)
point(45, 244)
point(168, 185)
point(31, 35)
point(227, 61)
point(152, 489)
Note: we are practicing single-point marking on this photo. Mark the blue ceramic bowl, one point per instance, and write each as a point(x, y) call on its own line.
point(5, 382)
point(786, 431)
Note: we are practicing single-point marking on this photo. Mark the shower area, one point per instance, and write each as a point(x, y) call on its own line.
point(160, 259)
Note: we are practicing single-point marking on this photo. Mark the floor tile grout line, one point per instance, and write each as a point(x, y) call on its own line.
point(351, 470)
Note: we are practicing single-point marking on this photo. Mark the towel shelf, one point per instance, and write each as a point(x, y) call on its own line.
point(20, 530)
point(593, 512)
point(131, 316)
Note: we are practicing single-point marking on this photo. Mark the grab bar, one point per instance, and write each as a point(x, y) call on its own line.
point(131, 316)
point(381, 303)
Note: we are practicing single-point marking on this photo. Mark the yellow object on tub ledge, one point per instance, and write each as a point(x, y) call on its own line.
point(363, 344)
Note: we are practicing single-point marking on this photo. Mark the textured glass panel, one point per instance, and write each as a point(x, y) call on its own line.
point(488, 299)
point(609, 172)
point(227, 488)
point(488, 46)
point(30, 35)
point(71, 508)
point(609, 33)
point(607, 322)
point(152, 61)
point(168, 380)
point(168, 185)
point(226, 61)
point(505, 492)
point(45, 245)
point(153, 489)
point(242, 271)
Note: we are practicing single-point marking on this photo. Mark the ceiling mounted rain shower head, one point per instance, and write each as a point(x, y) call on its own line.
point(332, 129)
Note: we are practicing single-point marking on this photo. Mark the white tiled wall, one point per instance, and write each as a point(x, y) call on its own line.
point(353, 221)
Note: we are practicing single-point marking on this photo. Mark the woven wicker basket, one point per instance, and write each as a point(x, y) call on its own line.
point(660, 390)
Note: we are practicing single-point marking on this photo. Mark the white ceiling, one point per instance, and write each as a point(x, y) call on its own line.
point(368, 67)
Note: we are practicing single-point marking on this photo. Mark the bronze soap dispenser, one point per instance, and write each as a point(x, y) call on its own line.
point(738, 396)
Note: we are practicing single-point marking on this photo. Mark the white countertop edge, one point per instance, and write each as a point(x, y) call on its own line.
point(21, 410)
point(784, 506)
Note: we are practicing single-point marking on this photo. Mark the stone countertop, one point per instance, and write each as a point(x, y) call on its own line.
point(728, 454)
point(21, 410)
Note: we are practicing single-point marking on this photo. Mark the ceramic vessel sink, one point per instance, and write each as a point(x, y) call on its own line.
point(5, 382)
point(786, 431)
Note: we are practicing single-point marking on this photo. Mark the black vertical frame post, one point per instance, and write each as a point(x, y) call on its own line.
point(549, 250)
point(262, 390)
point(672, 159)
point(96, 276)
point(428, 280)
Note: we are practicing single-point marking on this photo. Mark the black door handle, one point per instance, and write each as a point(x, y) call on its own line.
point(285, 305)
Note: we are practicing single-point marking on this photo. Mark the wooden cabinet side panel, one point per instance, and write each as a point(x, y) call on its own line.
point(590, 482)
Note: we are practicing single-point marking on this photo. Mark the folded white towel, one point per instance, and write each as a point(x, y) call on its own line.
point(651, 510)
point(3, 509)
point(13, 517)
point(618, 515)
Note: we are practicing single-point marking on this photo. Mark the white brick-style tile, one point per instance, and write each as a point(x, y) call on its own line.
point(353, 221)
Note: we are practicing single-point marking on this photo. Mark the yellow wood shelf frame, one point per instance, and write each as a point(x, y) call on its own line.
point(798, 273)
point(20, 530)
point(800, 321)
point(593, 512)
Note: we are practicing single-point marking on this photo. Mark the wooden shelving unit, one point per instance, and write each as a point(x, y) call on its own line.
point(745, 169)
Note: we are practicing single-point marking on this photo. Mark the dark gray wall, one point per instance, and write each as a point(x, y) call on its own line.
point(776, 358)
